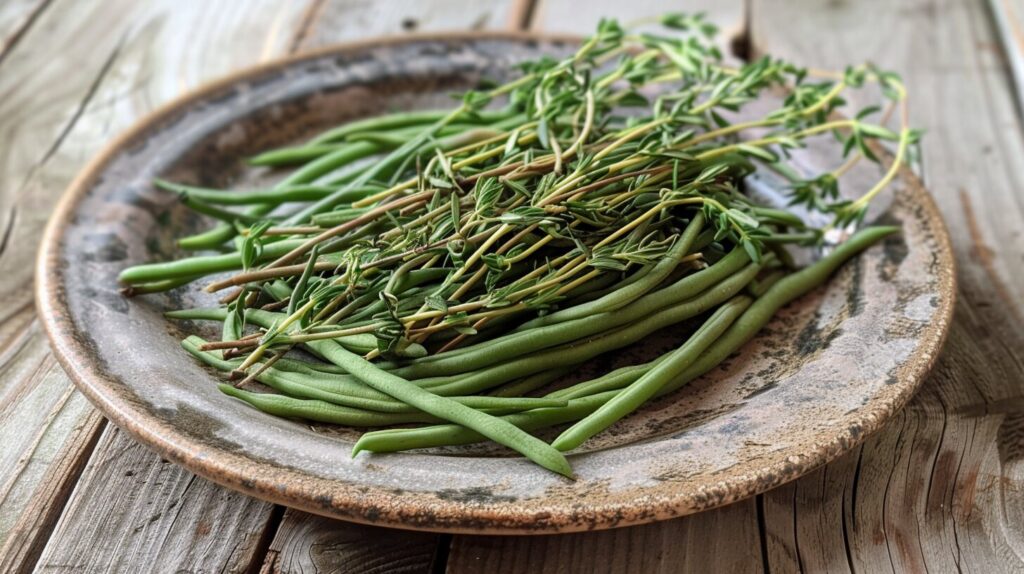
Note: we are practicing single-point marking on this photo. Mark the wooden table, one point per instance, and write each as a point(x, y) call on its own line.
point(940, 489)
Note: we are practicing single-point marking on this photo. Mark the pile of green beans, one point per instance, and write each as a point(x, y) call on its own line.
point(446, 271)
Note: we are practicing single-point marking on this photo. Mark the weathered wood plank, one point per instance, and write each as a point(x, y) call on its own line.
point(566, 16)
point(47, 426)
point(16, 16)
point(938, 489)
point(128, 514)
point(308, 543)
point(353, 19)
point(722, 540)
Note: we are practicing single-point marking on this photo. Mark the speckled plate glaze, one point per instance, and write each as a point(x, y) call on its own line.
point(827, 371)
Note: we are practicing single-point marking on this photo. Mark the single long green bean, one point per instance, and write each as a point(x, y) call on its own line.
point(357, 395)
point(202, 265)
point(249, 197)
point(157, 286)
point(199, 206)
point(496, 429)
point(396, 120)
point(636, 394)
point(531, 383)
point(294, 154)
point(389, 121)
point(393, 440)
point(613, 381)
point(322, 411)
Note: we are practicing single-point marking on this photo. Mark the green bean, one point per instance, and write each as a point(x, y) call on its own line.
point(314, 388)
point(400, 120)
point(286, 364)
point(281, 195)
point(629, 293)
point(519, 343)
point(531, 383)
point(219, 213)
point(306, 174)
point(584, 292)
point(393, 440)
point(494, 428)
point(157, 286)
point(359, 343)
point(386, 139)
point(321, 411)
point(396, 156)
point(200, 266)
point(612, 381)
point(759, 286)
point(292, 155)
point(598, 293)
point(744, 328)
point(394, 138)
point(636, 394)
point(357, 395)
point(583, 350)
point(390, 121)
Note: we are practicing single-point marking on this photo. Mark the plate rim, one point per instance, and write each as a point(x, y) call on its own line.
point(81, 367)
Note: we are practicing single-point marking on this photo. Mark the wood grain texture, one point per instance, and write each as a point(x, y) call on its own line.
point(305, 543)
point(335, 21)
point(128, 514)
point(722, 540)
point(16, 17)
point(51, 428)
point(568, 16)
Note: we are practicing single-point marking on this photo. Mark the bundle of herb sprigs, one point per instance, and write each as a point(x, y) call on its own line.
point(489, 249)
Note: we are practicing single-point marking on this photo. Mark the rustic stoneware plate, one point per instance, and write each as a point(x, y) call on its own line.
point(827, 371)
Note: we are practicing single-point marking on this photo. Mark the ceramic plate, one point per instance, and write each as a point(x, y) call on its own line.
point(828, 369)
